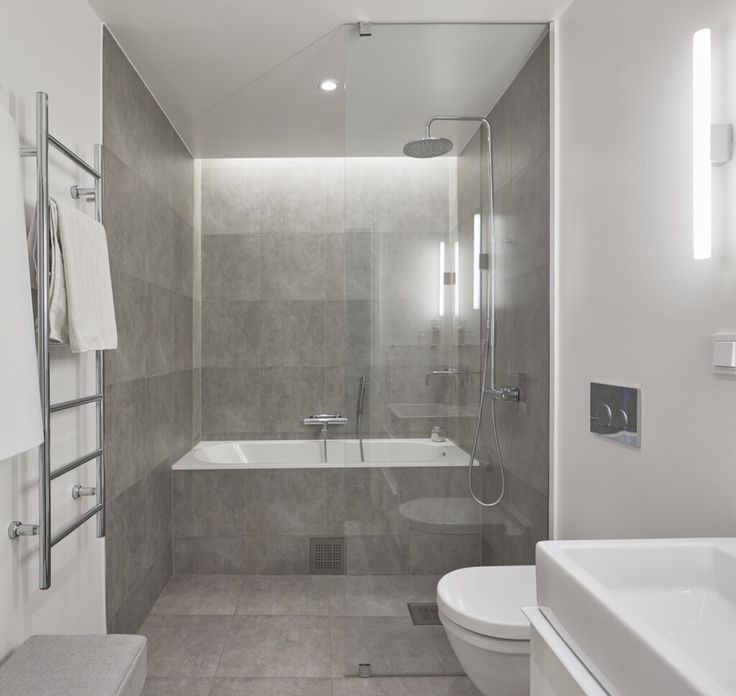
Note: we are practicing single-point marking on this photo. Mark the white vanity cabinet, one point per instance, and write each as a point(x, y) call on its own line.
point(555, 669)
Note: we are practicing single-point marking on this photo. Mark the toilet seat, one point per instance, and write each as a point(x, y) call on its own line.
point(486, 601)
point(486, 643)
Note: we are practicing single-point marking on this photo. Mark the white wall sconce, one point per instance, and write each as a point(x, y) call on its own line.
point(712, 144)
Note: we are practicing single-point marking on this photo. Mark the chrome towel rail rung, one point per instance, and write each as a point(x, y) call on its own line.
point(73, 403)
point(74, 157)
point(75, 464)
point(66, 531)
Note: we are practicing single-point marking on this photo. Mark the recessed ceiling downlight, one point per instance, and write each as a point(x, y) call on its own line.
point(329, 85)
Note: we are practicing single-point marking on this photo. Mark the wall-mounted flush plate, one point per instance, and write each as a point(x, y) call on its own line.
point(614, 413)
point(724, 354)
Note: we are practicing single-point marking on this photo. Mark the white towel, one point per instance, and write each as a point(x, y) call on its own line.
point(81, 309)
point(20, 404)
point(58, 318)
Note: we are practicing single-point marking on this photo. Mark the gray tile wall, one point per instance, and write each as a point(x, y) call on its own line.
point(260, 521)
point(521, 136)
point(149, 421)
point(315, 272)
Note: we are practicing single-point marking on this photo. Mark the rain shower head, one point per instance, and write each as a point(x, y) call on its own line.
point(428, 147)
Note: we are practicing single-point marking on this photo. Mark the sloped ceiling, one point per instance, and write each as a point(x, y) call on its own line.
point(238, 78)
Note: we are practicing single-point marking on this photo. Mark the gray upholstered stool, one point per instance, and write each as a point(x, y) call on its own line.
point(97, 665)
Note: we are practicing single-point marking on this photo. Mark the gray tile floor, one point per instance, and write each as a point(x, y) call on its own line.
point(297, 635)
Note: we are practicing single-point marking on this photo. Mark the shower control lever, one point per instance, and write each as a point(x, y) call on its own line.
point(325, 419)
point(504, 393)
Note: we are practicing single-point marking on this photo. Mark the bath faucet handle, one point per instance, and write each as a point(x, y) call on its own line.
point(325, 419)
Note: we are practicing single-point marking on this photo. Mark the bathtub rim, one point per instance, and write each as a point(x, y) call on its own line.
point(189, 462)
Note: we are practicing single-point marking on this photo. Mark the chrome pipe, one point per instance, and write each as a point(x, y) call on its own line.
point(76, 524)
point(42, 322)
point(56, 473)
point(100, 368)
point(74, 157)
point(73, 403)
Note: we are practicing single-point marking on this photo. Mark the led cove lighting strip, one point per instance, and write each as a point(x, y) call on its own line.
point(457, 278)
point(702, 119)
point(442, 280)
point(476, 261)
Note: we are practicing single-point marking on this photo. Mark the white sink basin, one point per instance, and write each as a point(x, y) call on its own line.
point(645, 616)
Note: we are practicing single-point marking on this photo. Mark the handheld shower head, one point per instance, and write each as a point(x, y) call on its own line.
point(427, 147)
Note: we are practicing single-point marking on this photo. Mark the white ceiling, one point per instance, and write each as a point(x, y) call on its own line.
point(237, 78)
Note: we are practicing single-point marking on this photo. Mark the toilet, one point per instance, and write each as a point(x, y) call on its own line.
point(480, 609)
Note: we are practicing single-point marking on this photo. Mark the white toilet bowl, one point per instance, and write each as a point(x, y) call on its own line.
point(480, 609)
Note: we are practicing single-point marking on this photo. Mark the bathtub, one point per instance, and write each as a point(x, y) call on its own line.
point(298, 454)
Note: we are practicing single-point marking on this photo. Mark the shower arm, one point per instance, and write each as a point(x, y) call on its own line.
point(494, 391)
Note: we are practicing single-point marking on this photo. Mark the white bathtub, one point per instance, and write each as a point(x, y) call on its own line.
point(300, 454)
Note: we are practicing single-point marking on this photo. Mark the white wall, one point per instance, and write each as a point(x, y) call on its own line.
point(633, 306)
point(54, 47)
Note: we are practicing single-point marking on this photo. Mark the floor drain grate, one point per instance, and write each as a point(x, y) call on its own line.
point(424, 614)
point(327, 556)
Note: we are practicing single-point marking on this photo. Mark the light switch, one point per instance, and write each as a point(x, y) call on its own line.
point(724, 353)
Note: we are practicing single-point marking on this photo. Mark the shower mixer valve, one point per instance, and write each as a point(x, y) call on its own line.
point(504, 393)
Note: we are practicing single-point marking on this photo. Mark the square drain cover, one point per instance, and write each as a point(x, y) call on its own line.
point(327, 556)
point(424, 614)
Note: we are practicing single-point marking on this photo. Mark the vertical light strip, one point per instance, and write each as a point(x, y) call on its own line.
point(476, 261)
point(441, 306)
point(702, 206)
point(457, 278)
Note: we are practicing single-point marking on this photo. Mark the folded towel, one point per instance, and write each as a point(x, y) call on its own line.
point(20, 405)
point(81, 310)
point(58, 320)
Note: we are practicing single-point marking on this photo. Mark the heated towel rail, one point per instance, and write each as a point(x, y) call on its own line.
point(47, 540)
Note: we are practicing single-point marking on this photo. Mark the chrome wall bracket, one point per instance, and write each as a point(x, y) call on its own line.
point(18, 529)
point(80, 491)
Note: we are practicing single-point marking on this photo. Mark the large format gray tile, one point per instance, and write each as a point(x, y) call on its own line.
point(286, 501)
point(160, 419)
point(293, 267)
point(383, 555)
point(298, 595)
point(231, 267)
point(442, 553)
point(158, 503)
point(174, 686)
point(136, 129)
point(405, 686)
point(231, 399)
point(392, 646)
point(529, 109)
point(126, 550)
point(196, 555)
point(125, 429)
point(200, 594)
point(382, 595)
point(288, 395)
point(209, 503)
point(274, 686)
point(293, 333)
point(277, 646)
point(231, 334)
point(160, 330)
point(280, 555)
point(128, 361)
point(231, 198)
point(185, 646)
